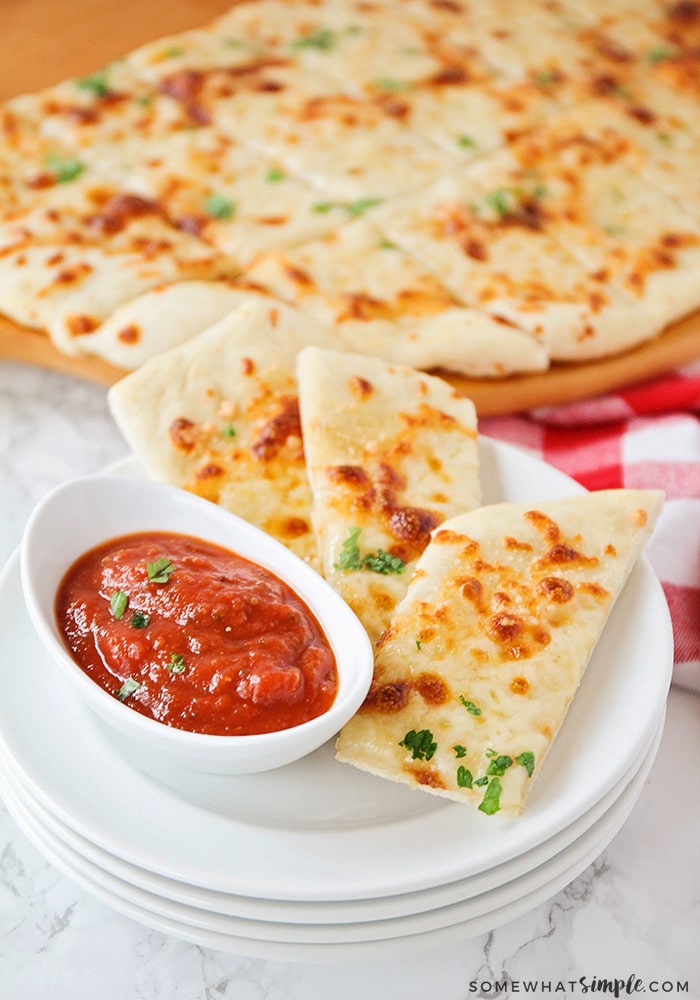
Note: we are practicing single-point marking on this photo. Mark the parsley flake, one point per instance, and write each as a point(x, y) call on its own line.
point(218, 206)
point(129, 687)
point(659, 53)
point(64, 170)
point(140, 620)
point(483, 780)
point(177, 663)
point(95, 84)
point(274, 175)
point(491, 801)
point(160, 570)
point(470, 706)
point(466, 142)
point(356, 208)
point(499, 765)
point(229, 431)
point(323, 39)
point(527, 760)
point(421, 744)
point(390, 83)
point(377, 562)
point(459, 750)
point(383, 562)
point(321, 207)
point(118, 603)
point(465, 778)
point(349, 557)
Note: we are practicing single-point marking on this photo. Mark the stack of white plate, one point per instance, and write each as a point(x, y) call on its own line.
point(319, 861)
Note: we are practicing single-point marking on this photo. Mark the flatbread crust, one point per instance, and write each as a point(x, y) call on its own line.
point(219, 416)
point(535, 161)
point(391, 453)
point(484, 655)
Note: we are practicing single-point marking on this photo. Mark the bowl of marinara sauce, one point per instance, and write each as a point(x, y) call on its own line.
point(200, 640)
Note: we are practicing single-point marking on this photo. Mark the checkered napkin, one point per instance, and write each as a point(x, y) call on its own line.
point(647, 435)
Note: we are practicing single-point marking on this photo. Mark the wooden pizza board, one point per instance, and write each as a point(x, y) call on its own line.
point(45, 41)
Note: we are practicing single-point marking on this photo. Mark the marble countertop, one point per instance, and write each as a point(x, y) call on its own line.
point(632, 916)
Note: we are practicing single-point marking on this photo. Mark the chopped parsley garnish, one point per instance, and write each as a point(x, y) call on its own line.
point(380, 561)
point(177, 663)
point(349, 557)
point(491, 801)
point(356, 208)
point(129, 687)
point(421, 744)
point(459, 750)
point(387, 245)
point(96, 84)
point(323, 39)
point(501, 201)
point(218, 206)
point(229, 431)
point(118, 603)
point(465, 779)
point(483, 780)
point(659, 53)
point(383, 562)
point(390, 83)
point(173, 52)
point(353, 208)
point(140, 620)
point(466, 142)
point(499, 765)
point(527, 760)
point(274, 175)
point(64, 170)
point(160, 570)
point(470, 706)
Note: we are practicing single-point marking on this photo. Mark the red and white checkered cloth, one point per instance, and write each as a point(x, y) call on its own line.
point(647, 435)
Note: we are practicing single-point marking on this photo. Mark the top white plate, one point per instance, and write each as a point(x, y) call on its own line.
point(318, 829)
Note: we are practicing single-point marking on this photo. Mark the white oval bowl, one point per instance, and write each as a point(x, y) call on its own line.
point(88, 511)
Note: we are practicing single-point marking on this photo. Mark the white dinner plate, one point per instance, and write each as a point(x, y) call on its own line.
point(317, 829)
point(338, 911)
point(301, 942)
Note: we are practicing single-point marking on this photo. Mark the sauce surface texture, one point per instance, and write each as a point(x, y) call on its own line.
point(195, 636)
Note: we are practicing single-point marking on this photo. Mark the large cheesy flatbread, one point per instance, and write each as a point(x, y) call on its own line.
point(219, 416)
point(531, 167)
point(391, 453)
point(483, 656)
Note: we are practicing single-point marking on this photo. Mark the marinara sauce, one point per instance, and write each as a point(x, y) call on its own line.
point(195, 636)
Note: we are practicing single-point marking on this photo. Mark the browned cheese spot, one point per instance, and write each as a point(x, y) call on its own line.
point(544, 524)
point(130, 334)
point(295, 527)
point(351, 475)
point(209, 471)
point(183, 433)
point(426, 776)
point(520, 685)
point(80, 325)
point(360, 387)
point(277, 432)
point(556, 589)
point(432, 689)
point(387, 698)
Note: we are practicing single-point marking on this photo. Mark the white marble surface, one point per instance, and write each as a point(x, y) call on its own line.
point(635, 912)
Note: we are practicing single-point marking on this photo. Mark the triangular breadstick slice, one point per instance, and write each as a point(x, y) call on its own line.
point(391, 453)
point(219, 416)
point(485, 653)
